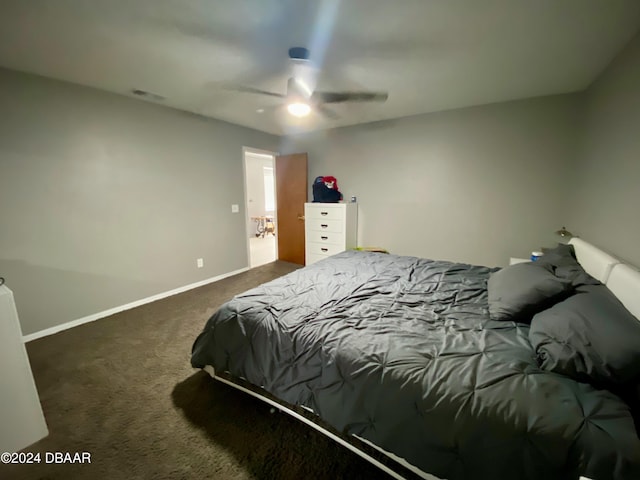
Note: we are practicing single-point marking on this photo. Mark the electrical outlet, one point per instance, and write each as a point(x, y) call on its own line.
point(200, 262)
point(235, 208)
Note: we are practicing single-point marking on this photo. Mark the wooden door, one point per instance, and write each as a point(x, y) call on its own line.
point(291, 195)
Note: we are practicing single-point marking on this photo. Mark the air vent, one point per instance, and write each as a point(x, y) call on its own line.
point(147, 95)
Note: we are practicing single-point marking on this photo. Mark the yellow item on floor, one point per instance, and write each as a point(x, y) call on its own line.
point(264, 225)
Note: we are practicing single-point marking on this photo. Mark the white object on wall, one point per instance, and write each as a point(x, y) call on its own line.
point(21, 418)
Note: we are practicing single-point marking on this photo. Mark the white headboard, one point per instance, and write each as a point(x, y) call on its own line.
point(596, 263)
point(624, 282)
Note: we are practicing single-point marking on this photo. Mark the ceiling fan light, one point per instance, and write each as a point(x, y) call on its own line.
point(299, 109)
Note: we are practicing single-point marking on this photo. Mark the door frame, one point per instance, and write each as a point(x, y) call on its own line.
point(257, 152)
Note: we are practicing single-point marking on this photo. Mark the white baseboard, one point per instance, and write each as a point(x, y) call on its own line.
point(128, 306)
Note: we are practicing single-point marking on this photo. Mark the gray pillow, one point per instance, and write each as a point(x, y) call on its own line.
point(563, 263)
point(519, 291)
point(590, 337)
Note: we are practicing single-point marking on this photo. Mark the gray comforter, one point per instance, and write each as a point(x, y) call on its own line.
point(401, 352)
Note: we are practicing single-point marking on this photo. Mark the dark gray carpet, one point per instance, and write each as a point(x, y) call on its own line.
point(122, 388)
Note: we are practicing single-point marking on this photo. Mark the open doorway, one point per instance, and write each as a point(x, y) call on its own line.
point(260, 201)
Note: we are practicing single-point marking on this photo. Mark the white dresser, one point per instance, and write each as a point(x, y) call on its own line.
point(330, 228)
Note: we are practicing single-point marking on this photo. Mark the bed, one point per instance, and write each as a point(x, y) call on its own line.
point(424, 368)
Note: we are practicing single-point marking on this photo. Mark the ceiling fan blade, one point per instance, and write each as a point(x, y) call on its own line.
point(340, 97)
point(327, 112)
point(241, 88)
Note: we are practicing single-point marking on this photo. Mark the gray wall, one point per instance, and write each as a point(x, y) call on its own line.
point(106, 200)
point(605, 206)
point(474, 185)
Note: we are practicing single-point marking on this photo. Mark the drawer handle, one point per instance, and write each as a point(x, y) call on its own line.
point(324, 249)
point(324, 238)
point(324, 214)
point(324, 225)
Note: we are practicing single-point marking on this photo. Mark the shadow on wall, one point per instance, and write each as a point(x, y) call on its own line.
point(46, 297)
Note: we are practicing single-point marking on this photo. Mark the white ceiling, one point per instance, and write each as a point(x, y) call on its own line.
point(429, 55)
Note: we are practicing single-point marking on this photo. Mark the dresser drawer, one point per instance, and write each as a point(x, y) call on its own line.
point(323, 248)
point(314, 236)
point(323, 225)
point(313, 258)
point(330, 212)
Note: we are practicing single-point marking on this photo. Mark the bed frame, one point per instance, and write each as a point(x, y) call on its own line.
point(393, 465)
point(623, 280)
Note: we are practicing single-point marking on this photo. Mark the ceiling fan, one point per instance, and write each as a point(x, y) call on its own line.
point(301, 97)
